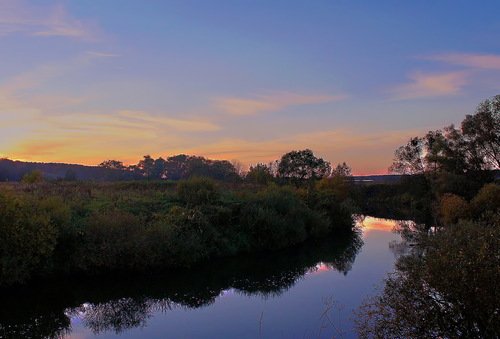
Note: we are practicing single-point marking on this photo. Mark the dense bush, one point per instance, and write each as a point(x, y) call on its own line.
point(68, 228)
point(197, 191)
point(450, 292)
point(452, 208)
point(28, 234)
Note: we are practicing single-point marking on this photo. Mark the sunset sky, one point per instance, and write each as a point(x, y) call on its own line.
point(86, 81)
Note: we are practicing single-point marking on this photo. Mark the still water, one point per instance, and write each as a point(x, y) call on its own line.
point(305, 292)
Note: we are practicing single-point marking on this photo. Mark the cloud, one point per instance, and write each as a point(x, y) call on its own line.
point(273, 102)
point(485, 61)
point(367, 152)
point(423, 85)
point(18, 17)
point(91, 137)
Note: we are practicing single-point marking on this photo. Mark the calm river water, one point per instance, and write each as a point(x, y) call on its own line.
point(305, 292)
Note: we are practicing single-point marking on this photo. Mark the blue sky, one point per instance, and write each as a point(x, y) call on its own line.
point(85, 81)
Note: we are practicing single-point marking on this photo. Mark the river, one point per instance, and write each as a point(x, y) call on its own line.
point(305, 292)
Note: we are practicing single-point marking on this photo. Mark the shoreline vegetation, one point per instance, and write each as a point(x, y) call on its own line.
point(88, 228)
point(445, 287)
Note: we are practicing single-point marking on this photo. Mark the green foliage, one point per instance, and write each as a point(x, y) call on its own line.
point(110, 239)
point(197, 191)
point(80, 228)
point(298, 166)
point(28, 234)
point(259, 174)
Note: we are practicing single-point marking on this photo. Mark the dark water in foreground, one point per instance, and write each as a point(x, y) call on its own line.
point(305, 292)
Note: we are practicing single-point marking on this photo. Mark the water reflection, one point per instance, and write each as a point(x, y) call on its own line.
point(120, 303)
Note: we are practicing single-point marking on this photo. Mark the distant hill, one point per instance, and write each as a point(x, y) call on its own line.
point(11, 170)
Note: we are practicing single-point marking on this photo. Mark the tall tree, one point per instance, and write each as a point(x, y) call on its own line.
point(409, 158)
point(146, 166)
point(482, 131)
point(299, 166)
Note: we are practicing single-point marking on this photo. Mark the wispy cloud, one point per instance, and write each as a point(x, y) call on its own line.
point(368, 152)
point(16, 16)
point(486, 61)
point(272, 102)
point(88, 137)
point(423, 85)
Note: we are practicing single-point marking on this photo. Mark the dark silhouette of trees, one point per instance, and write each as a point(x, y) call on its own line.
point(298, 166)
point(260, 174)
point(482, 131)
point(342, 170)
point(112, 164)
point(146, 166)
point(472, 148)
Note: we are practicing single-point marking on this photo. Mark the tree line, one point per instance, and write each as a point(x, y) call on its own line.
point(293, 167)
point(446, 286)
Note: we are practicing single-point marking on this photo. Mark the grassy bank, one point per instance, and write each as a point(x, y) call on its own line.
point(51, 229)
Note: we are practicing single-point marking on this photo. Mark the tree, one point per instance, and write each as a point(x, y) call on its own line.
point(259, 174)
point(409, 159)
point(112, 164)
point(482, 131)
point(472, 148)
point(342, 170)
point(146, 166)
point(299, 166)
point(159, 168)
point(447, 289)
point(176, 166)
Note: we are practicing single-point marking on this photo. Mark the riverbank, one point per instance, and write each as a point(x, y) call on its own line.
point(63, 229)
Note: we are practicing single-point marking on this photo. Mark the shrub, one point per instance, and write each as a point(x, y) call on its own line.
point(197, 191)
point(28, 233)
point(187, 236)
point(452, 208)
point(111, 240)
point(274, 219)
point(487, 199)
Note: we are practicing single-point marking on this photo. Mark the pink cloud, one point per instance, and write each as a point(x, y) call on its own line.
point(486, 61)
point(430, 85)
point(273, 102)
point(17, 16)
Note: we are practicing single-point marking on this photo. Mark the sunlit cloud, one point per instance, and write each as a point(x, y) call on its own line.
point(273, 102)
point(425, 85)
point(90, 138)
point(367, 153)
point(16, 16)
point(485, 61)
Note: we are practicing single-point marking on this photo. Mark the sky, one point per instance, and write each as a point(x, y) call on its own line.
point(86, 81)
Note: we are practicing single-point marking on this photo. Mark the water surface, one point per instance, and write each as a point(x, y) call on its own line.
point(304, 292)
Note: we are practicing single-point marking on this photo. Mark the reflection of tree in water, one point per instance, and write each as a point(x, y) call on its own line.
point(119, 304)
point(447, 288)
point(117, 314)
